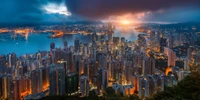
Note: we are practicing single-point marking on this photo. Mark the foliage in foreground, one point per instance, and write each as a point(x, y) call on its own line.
point(187, 89)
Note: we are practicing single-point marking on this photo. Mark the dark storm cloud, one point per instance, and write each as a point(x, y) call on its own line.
point(30, 11)
point(181, 14)
point(103, 8)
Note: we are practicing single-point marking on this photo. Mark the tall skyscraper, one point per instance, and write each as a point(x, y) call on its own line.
point(36, 81)
point(71, 83)
point(65, 45)
point(163, 43)
point(171, 56)
point(52, 46)
point(76, 45)
point(7, 86)
point(84, 86)
point(57, 80)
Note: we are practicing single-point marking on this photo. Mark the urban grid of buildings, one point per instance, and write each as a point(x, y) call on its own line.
point(157, 59)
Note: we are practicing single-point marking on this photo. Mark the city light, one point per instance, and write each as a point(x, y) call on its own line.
point(101, 49)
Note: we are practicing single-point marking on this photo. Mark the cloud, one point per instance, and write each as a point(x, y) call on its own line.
point(100, 9)
point(52, 8)
point(32, 11)
point(42, 11)
point(175, 14)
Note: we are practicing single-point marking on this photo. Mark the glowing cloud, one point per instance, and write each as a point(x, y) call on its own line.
point(125, 22)
point(127, 18)
point(53, 8)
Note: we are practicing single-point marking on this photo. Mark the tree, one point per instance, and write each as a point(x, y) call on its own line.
point(186, 89)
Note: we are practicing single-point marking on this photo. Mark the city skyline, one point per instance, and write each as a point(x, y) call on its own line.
point(99, 49)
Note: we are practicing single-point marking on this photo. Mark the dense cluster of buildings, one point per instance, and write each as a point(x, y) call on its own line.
point(143, 67)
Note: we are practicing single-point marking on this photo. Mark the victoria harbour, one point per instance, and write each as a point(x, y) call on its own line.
point(40, 41)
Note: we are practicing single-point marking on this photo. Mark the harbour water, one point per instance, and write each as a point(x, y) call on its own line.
point(35, 42)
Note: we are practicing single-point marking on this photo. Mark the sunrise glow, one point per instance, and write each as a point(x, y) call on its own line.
point(125, 22)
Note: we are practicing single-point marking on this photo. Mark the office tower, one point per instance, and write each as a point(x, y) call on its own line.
point(186, 64)
point(36, 81)
point(170, 80)
point(2, 63)
point(104, 80)
point(143, 87)
point(12, 60)
point(123, 41)
point(152, 85)
point(94, 39)
point(99, 79)
point(39, 58)
point(170, 41)
point(57, 80)
point(85, 50)
point(109, 37)
point(197, 58)
point(135, 82)
point(1, 86)
point(127, 74)
point(60, 72)
point(92, 69)
point(113, 70)
point(71, 83)
point(163, 43)
point(45, 78)
point(70, 61)
point(52, 80)
point(65, 45)
point(86, 68)
point(81, 48)
point(189, 53)
point(159, 83)
point(110, 32)
point(181, 74)
point(84, 85)
point(101, 60)
point(152, 65)
point(52, 46)
point(148, 65)
point(22, 88)
point(171, 56)
point(76, 45)
point(77, 59)
point(81, 67)
point(7, 86)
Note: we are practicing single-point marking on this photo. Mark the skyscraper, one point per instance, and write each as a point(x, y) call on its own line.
point(36, 81)
point(84, 86)
point(76, 45)
point(57, 80)
point(71, 83)
point(65, 45)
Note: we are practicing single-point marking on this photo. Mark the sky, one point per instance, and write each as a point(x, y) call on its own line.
point(53, 11)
